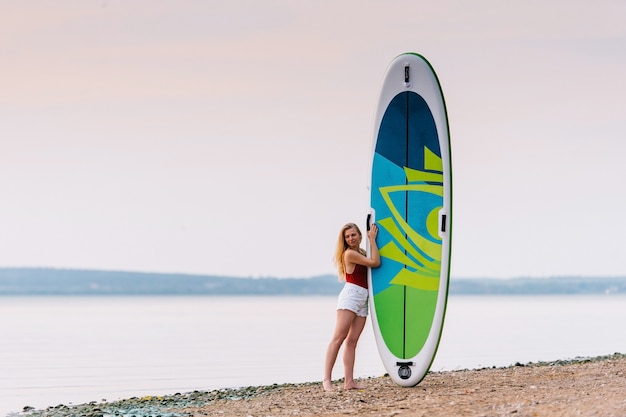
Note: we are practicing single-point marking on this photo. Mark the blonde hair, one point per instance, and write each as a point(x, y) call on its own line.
point(341, 249)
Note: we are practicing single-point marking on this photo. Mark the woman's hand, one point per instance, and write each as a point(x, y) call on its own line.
point(373, 232)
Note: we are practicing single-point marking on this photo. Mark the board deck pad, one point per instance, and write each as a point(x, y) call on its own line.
point(409, 184)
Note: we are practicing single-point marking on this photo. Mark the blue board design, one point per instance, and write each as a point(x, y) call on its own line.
point(401, 138)
point(407, 129)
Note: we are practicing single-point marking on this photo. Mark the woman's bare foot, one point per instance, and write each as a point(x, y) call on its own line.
point(352, 385)
point(328, 385)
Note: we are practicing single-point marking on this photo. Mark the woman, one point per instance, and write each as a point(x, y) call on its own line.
point(352, 264)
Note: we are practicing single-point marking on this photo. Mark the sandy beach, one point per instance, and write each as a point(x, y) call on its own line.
point(586, 387)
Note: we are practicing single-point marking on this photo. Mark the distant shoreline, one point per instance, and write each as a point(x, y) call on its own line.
point(49, 281)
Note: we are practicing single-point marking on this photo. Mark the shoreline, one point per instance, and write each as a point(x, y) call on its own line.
point(593, 385)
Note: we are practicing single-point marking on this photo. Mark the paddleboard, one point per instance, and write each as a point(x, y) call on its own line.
point(411, 202)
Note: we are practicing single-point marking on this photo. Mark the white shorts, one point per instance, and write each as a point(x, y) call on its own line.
point(353, 298)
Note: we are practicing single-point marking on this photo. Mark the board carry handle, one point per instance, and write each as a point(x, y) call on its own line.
point(407, 75)
point(367, 221)
point(443, 221)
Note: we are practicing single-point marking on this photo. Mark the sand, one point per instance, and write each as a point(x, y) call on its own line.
point(581, 387)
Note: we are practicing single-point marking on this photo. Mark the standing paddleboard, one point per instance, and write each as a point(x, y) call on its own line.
point(411, 202)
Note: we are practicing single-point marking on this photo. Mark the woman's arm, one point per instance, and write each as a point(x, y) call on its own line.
point(371, 235)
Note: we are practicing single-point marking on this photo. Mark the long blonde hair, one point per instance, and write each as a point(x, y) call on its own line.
point(341, 248)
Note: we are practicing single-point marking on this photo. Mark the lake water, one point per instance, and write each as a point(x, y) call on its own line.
point(72, 350)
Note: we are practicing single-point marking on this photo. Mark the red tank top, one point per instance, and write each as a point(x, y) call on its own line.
point(358, 277)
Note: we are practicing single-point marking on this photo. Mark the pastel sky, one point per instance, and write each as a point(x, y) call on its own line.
point(234, 137)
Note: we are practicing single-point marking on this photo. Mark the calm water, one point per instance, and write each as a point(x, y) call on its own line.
point(72, 350)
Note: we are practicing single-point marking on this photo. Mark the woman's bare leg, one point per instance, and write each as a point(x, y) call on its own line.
point(349, 352)
point(345, 318)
